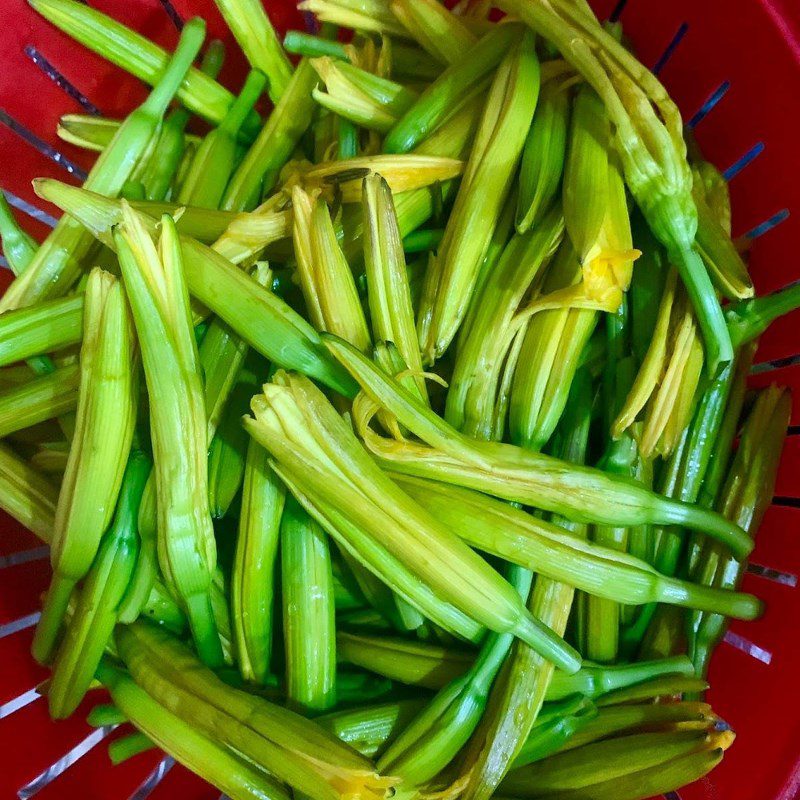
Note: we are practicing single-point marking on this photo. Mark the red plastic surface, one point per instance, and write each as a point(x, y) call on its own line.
point(754, 47)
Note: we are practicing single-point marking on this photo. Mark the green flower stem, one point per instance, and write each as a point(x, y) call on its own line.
point(57, 263)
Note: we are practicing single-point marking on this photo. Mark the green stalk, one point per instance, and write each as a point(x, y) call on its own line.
point(160, 173)
point(227, 451)
point(543, 156)
point(120, 750)
point(39, 399)
point(305, 44)
point(99, 598)
point(602, 615)
point(510, 472)
point(155, 280)
point(258, 171)
point(747, 495)
point(214, 159)
point(667, 687)
point(107, 400)
point(58, 261)
point(405, 660)
point(422, 241)
point(229, 773)
point(721, 452)
point(450, 90)
point(263, 320)
point(40, 328)
point(253, 574)
point(647, 287)
point(27, 495)
point(367, 729)
point(526, 679)
point(292, 748)
point(19, 247)
point(509, 533)
point(309, 628)
point(105, 714)
point(484, 187)
point(407, 61)
point(253, 31)
point(348, 139)
point(483, 346)
point(750, 318)
point(595, 680)
point(137, 55)
point(444, 726)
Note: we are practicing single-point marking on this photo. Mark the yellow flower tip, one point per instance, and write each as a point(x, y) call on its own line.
point(721, 740)
point(364, 785)
point(413, 373)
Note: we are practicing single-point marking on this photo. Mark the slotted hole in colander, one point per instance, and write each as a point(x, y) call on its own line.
point(61, 81)
point(19, 624)
point(172, 13)
point(149, 784)
point(19, 702)
point(48, 775)
point(772, 574)
point(42, 146)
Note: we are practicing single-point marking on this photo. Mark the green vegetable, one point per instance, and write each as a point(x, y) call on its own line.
point(294, 749)
point(107, 398)
point(39, 399)
point(443, 727)
point(253, 31)
point(27, 495)
point(134, 53)
point(156, 284)
point(355, 502)
point(511, 472)
point(487, 180)
point(230, 773)
point(253, 575)
point(57, 265)
point(99, 597)
point(543, 155)
point(258, 171)
point(309, 629)
point(214, 160)
point(650, 144)
point(263, 320)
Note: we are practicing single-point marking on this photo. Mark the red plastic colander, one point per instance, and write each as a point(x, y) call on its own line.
point(733, 67)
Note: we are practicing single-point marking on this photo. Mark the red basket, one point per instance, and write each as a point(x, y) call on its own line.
point(734, 68)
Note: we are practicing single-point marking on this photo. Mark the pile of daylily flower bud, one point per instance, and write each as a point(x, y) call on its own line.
point(398, 443)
